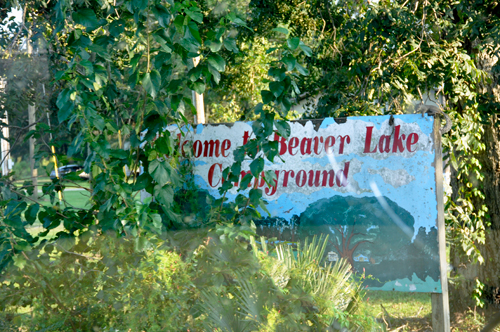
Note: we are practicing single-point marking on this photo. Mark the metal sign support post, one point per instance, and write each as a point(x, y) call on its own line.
point(440, 302)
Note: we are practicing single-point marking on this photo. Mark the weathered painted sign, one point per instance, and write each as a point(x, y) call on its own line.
point(368, 182)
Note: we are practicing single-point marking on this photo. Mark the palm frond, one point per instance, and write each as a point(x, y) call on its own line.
point(248, 298)
point(222, 314)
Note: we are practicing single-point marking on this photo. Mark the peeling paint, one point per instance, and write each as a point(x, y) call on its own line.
point(395, 178)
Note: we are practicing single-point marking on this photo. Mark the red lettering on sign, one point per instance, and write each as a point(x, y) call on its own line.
point(313, 180)
point(330, 177)
point(384, 143)
point(179, 140)
point(412, 139)
point(368, 140)
point(282, 144)
point(246, 136)
point(301, 178)
point(211, 172)
point(226, 145)
point(271, 191)
point(197, 149)
point(343, 139)
point(398, 141)
point(317, 146)
point(285, 177)
point(342, 176)
point(210, 148)
point(329, 142)
point(305, 146)
point(294, 142)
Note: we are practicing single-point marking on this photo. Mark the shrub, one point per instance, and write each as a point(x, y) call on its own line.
point(193, 280)
point(21, 169)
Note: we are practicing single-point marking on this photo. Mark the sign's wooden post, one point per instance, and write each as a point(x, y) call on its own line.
point(440, 303)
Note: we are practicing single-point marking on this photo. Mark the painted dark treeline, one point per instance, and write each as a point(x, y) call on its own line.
point(372, 238)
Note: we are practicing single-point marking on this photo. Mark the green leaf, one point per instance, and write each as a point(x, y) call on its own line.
point(302, 70)
point(278, 73)
point(193, 28)
point(255, 195)
point(164, 195)
point(195, 73)
point(194, 14)
point(162, 59)
point(73, 37)
point(89, 68)
point(148, 85)
point(286, 104)
point(271, 50)
point(14, 208)
point(160, 171)
point(281, 30)
point(295, 87)
point(454, 161)
point(245, 181)
point(141, 182)
point(133, 79)
point(65, 241)
point(21, 245)
point(293, 43)
point(151, 83)
point(270, 150)
point(87, 18)
point(257, 166)
point(198, 86)
point(19, 261)
point(156, 221)
point(290, 62)
point(215, 73)
point(116, 27)
point(262, 205)
point(276, 88)
point(235, 19)
point(270, 178)
point(230, 45)
point(267, 96)
point(283, 128)
point(65, 104)
point(217, 62)
point(163, 43)
point(239, 154)
point(214, 45)
point(135, 60)
point(162, 15)
point(140, 4)
point(306, 49)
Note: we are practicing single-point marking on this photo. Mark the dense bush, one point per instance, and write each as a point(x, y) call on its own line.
point(193, 280)
point(21, 169)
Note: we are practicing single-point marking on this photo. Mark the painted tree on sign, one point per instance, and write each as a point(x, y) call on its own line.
point(346, 249)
